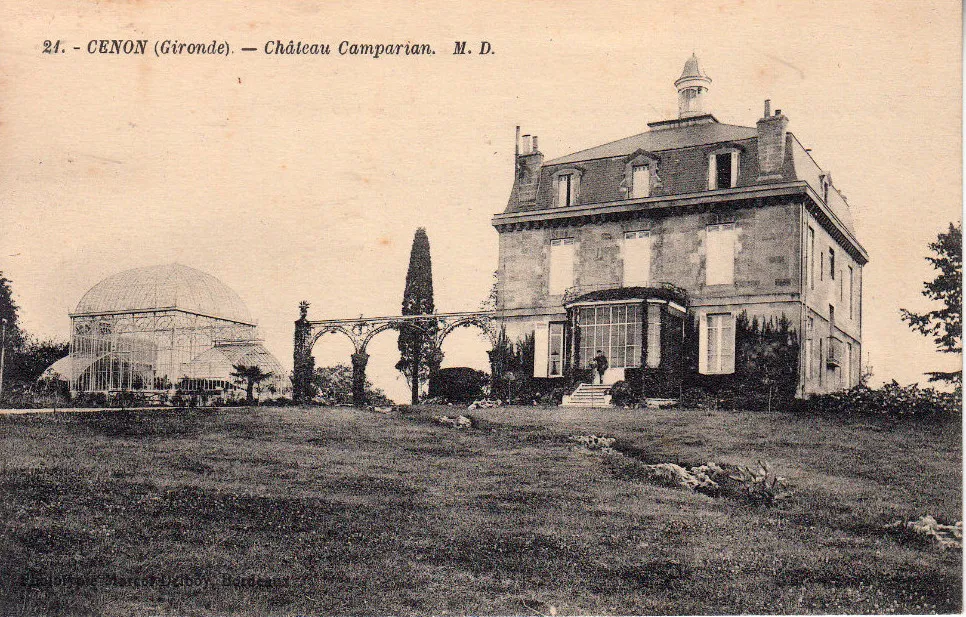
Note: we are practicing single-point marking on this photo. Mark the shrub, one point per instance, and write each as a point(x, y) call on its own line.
point(891, 400)
point(90, 399)
point(759, 485)
point(459, 384)
point(621, 394)
point(697, 398)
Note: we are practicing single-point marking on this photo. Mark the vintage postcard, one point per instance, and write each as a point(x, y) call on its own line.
point(497, 308)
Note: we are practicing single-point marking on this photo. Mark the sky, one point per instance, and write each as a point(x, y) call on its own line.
point(304, 178)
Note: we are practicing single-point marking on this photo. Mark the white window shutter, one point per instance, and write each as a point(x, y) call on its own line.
point(703, 344)
point(541, 349)
point(728, 345)
point(734, 168)
point(561, 266)
point(712, 172)
point(637, 259)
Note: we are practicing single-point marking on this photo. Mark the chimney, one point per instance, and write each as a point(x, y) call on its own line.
point(771, 144)
point(528, 162)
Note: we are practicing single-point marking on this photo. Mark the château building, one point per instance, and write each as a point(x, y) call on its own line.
point(656, 250)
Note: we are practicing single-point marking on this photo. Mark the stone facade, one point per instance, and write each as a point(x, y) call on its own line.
point(734, 219)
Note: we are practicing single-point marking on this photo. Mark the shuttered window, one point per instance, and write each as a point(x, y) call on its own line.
point(720, 254)
point(637, 258)
point(561, 265)
point(717, 344)
point(640, 181)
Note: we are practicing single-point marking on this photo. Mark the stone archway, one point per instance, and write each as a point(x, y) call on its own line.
point(362, 330)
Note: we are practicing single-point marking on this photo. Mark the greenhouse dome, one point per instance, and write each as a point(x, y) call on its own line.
point(163, 329)
point(171, 286)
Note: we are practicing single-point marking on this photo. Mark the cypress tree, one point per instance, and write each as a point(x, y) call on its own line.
point(418, 357)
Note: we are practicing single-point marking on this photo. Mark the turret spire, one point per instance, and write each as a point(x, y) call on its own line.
point(692, 86)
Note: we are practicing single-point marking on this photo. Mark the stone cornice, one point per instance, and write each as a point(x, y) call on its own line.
point(584, 214)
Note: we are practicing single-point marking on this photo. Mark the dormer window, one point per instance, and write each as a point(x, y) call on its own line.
point(640, 181)
point(565, 190)
point(826, 185)
point(723, 169)
point(566, 187)
point(640, 175)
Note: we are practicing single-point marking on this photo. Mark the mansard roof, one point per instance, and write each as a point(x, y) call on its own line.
point(681, 148)
point(686, 136)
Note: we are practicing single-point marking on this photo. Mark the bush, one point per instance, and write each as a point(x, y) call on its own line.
point(891, 400)
point(459, 384)
point(697, 398)
point(621, 394)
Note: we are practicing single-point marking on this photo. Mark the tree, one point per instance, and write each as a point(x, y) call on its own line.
point(11, 339)
point(334, 383)
point(418, 354)
point(944, 324)
point(33, 358)
point(251, 376)
point(10, 312)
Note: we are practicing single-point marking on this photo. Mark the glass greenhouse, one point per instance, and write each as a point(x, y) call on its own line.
point(163, 328)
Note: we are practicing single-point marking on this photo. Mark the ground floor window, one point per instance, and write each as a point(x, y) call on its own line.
point(555, 361)
point(718, 336)
point(653, 335)
point(614, 330)
point(809, 348)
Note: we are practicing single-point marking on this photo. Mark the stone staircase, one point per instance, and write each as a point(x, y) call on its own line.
point(588, 395)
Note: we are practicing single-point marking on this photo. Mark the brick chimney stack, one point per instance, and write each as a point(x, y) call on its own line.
point(771, 144)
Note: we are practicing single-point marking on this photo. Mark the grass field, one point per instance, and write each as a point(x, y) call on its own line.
point(337, 511)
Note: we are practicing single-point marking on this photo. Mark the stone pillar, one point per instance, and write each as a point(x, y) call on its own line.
point(359, 362)
point(303, 364)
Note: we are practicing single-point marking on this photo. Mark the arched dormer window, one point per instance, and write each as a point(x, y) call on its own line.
point(640, 175)
point(723, 167)
point(566, 187)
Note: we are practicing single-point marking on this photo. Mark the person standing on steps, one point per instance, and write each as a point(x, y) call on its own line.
point(600, 363)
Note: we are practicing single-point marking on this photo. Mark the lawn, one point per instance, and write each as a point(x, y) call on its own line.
point(338, 511)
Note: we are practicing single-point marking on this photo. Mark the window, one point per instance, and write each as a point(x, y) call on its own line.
point(821, 359)
point(637, 258)
point(811, 256)
point(561, 265)
point(831, 263)
point(653, 335)
point(723, 170)
point(831, 318)
point(847, 367)
point(809, 348)
point(555, 360)
point(851, 291)
point(566, 185)
point(841, 287)
point(720, 254)
point(565, 190)
point(614, 329)
point(717, 343)
point(821, 269)
point(640, 181)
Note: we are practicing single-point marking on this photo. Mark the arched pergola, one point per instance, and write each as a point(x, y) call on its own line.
point(362, 330)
